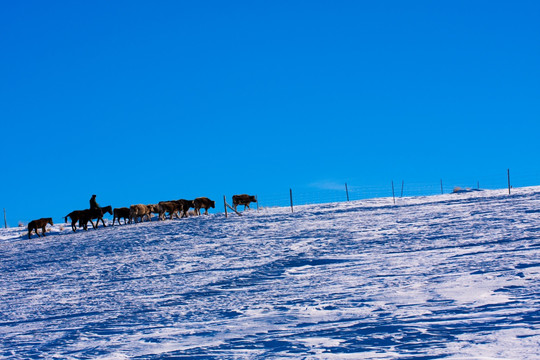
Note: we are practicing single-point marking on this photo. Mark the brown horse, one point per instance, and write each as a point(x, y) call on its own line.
point(203, 203)
point(172, 207)
point(139, 211)
point(243, 199)
point(36, 224)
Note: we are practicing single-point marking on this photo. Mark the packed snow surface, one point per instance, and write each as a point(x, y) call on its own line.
point(452, 276)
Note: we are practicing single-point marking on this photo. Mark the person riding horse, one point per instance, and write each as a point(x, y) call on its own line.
point(93, 203)
point(95, 208)
point(96, 212)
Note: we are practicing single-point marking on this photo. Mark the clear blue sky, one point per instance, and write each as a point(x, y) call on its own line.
point(139, 101)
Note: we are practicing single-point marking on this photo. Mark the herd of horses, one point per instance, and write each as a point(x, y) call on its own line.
point(138, 213)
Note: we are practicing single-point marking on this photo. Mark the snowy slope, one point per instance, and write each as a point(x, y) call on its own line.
point(450, 276)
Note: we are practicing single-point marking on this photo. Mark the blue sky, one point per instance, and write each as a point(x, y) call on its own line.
point(139, 102)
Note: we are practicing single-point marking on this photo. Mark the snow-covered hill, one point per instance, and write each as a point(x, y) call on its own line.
point(453, 276)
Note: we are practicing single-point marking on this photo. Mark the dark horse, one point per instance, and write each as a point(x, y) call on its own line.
point(119, 213)
point(40, 223)
point(84, 216)
point(94, 214)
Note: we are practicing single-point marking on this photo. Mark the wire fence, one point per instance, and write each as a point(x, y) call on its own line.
point(395, 189)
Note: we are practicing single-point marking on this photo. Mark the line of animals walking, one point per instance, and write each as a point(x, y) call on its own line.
point(137, 213)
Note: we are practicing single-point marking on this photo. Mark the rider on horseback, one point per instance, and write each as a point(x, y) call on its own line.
point(93, 203)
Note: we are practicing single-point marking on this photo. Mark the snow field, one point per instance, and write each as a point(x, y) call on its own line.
point(453, 276)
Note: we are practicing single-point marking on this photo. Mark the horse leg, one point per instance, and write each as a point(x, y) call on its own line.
point(43, 230)
point(103, 221)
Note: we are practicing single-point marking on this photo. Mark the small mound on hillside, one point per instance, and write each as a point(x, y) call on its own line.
point(458, 190)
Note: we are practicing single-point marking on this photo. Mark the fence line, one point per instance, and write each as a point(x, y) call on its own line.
point(351, 192)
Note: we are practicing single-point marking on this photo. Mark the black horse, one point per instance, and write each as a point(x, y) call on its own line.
point(90, 214)
point(84, 216)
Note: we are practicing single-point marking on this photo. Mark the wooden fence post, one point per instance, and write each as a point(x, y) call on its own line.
point(508, 181)
point(442, 192)
point(290, 192)
point(393, 195)
point(229, 206)
point(5, 221)
point(347, 191)
point(257, 198)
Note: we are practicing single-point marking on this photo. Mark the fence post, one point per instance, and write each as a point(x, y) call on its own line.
point(402, 184)
point(508, 170)
point(257, 198)
point(5, 221)
point(290, 192)
point(225, 204)
point(478, 185)
point(442, 192)
point(393, 195)
point(347, 191)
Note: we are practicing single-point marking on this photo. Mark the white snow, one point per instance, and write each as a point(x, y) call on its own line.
point(454, 276)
